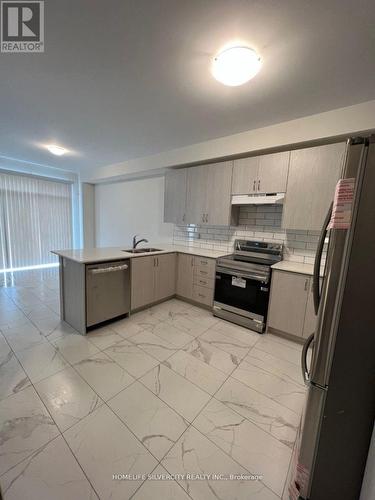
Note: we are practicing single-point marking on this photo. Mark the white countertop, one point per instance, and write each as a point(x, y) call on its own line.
point(91, 255)
point(295, 267)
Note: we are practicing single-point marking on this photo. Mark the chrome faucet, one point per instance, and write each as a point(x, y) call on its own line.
point(135, 242)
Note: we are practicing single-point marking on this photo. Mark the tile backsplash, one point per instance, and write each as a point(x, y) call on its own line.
point(256, 222)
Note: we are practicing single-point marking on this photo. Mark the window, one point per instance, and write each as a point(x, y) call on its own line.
point(35, 218)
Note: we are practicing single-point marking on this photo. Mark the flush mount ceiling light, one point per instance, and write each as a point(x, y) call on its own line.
point(56, 150)
point(236, 66)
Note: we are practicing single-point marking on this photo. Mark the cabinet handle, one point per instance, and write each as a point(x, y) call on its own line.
point(306, 284)
point(103, 270)
point(254, 185)
point(202, 217)
point(259, 185)
point(206, 217)
point(183, 218)
point(192, 261)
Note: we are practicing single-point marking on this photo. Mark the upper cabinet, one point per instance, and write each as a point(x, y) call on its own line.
point(175, 196)
point(261, 174)
point(245, 175)
point(208, 194)
point(196, 195)
point(312, 178)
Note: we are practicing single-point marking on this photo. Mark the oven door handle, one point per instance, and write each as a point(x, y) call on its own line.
point(232, 272)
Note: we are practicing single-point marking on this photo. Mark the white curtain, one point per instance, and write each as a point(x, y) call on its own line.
point(35, 218)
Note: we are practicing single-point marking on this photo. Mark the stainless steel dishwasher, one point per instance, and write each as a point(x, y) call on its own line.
point(107, 291)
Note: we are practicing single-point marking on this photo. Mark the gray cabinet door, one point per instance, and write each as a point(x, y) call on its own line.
point(245, 175)
point(288, 300)
point(218, 194)
point(165, 276)
point(312, 178)
point(175, 196)
point(185, 268)
point(273, 172)
point(142, 281)
point(196, 196)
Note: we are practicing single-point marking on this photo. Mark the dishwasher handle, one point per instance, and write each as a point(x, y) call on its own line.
point(111, 269)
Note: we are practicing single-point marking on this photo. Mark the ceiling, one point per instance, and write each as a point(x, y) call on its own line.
point(122, 79)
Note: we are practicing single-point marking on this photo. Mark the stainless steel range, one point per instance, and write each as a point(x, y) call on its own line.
point(242, 283)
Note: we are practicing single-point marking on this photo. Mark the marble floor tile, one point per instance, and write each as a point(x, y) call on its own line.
point(25, 426)
point(40, 311)
point(255, 450)
point(41, 361)
point(74, 348)
point(154, 423)
point(51, 472)
point(67, 397)
point(213, 356)
point(169, 308)
point(183, 396)
point(104, 375)
point(171, 334)
point(287, 342)
point(195, 454)
point(153, 345)
point(235, 332)
point(104, 446)
point(103, 337)
point(232, 346)
point(12, 376)
point(264, 412)
point(62, 330)
point(280, 350)
point(147, 318)
point(4, 347)
point(23, 336)
point(187, 322)
point(127, 327)
point(47, 325)
point(159, 487)
point(280, 367)
point(204, 376)
point(284, 392)
point(134, 360)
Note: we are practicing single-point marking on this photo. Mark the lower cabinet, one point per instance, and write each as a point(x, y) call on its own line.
point(185, 267)
point(291, 308)
point(196, 278)
point(153, 278)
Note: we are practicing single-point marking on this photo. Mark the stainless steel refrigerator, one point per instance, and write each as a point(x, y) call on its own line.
point(335, 432)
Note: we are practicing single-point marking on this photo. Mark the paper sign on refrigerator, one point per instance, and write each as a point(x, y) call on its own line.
point(342, 204)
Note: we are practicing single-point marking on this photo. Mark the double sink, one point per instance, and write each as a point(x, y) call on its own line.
point(142, 250)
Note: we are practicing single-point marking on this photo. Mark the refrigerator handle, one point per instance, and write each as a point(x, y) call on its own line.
point(318, 259)
point(305, 370)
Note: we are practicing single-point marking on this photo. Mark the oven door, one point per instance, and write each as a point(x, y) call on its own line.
point(242, 293)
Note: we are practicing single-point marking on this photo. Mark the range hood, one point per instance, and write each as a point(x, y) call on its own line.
point(258, 199)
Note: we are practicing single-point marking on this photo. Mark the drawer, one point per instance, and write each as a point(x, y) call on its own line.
point(204, 281)
point(205, 264)
point(203, 295)
point(203, 272)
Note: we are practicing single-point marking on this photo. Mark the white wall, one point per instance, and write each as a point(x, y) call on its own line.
point(123, 209)
point(88, 215)
point(339, 122)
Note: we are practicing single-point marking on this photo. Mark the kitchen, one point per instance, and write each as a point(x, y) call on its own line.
point(185, 294)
